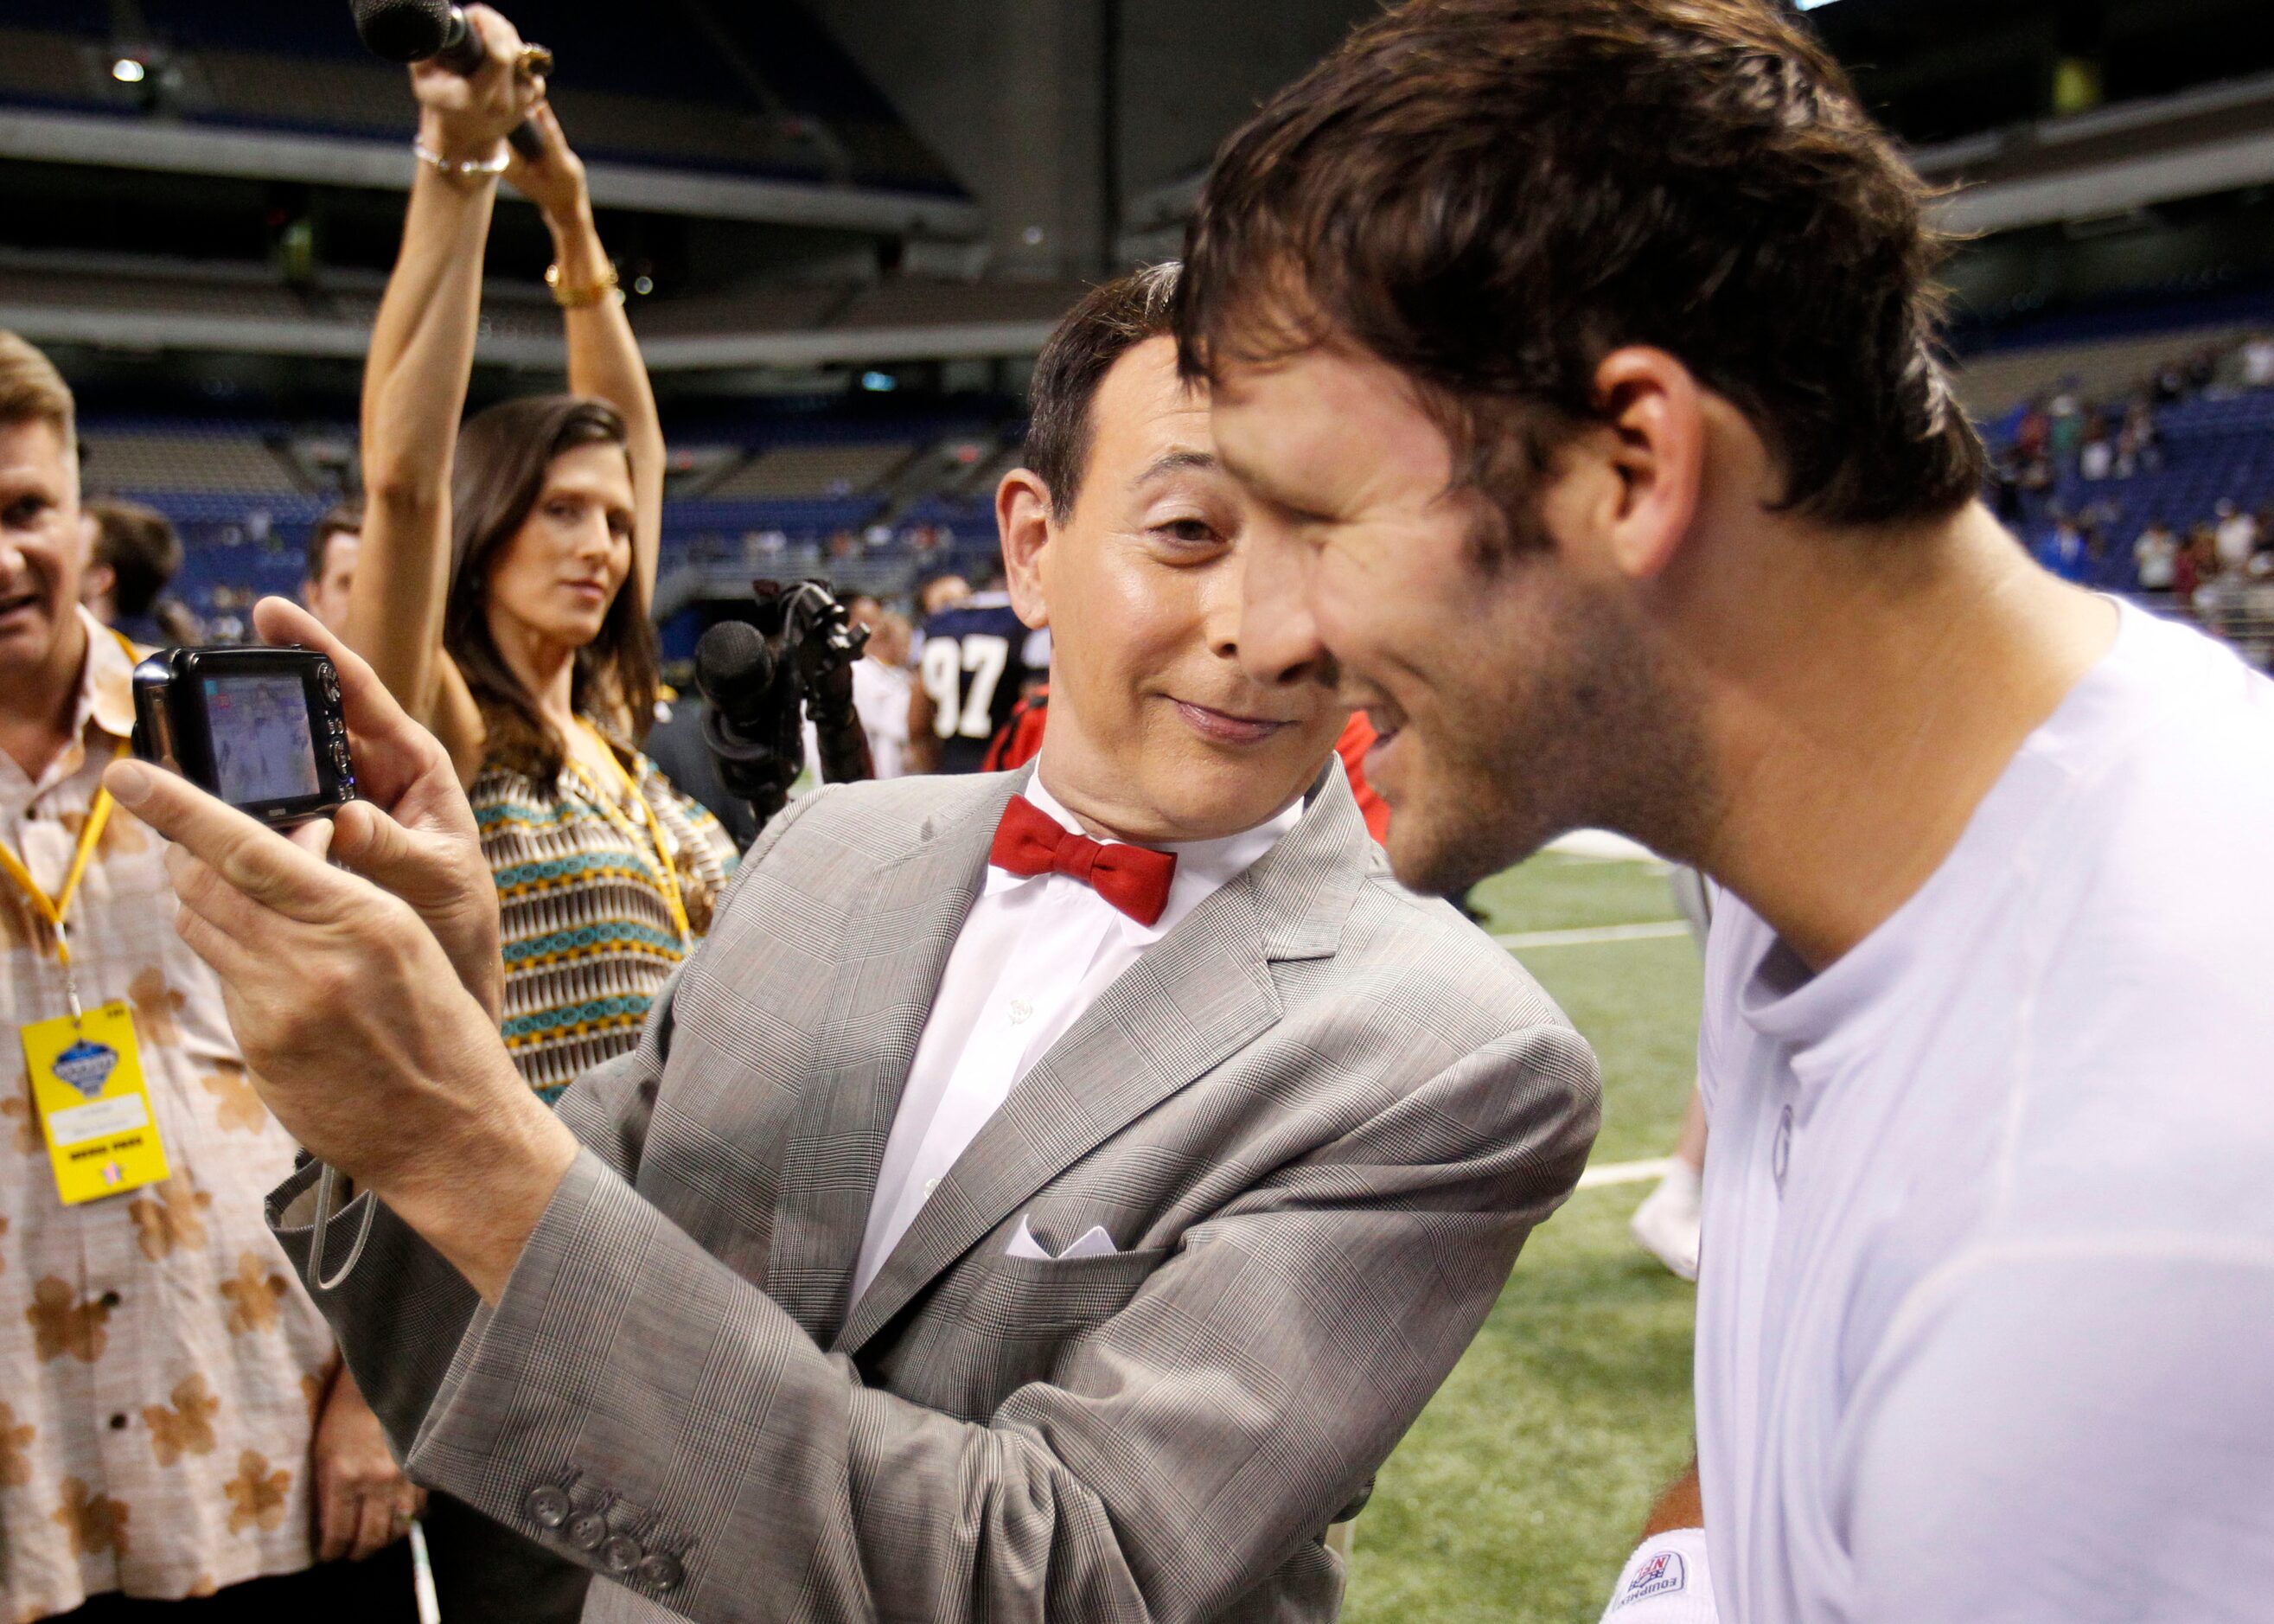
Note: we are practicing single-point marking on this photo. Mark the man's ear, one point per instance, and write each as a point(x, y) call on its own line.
point(1022, 519)
point(1649, 454)
point(95, 584)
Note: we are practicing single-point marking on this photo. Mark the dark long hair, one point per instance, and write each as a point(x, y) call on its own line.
point(503, 457)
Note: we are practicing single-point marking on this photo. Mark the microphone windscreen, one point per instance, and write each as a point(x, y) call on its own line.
point(730, 662)
point(402, 30)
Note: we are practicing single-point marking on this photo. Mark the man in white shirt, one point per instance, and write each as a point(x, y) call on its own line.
point(2258, 361)
point(1044, 1195)
point(2236, 537)
point(2156, 556)
point(1689, 546)
point(881, 680)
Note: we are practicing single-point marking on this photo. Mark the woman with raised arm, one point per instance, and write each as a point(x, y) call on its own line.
point(503, 586)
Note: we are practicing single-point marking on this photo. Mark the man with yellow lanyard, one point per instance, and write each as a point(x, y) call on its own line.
point(172, 1419)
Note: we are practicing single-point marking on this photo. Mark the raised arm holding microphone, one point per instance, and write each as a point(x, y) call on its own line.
point(504, 574)
point(501, 589)
point(1044, 1195)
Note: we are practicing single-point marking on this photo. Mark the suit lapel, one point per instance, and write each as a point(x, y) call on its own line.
point(1197, 996)
point(901, 931)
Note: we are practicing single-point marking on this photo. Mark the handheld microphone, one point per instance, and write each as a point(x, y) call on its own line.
point(408, 31)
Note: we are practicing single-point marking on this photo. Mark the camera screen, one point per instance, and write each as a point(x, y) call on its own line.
point(262, 749)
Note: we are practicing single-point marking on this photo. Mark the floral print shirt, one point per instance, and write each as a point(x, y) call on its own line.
point(160, 1365)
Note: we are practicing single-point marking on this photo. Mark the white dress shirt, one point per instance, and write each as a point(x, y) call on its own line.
point(1033, 955)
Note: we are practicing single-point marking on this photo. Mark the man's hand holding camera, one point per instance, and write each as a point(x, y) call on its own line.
point(388, 956)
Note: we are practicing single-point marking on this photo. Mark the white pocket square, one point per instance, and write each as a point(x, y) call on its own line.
point(1095, 1243)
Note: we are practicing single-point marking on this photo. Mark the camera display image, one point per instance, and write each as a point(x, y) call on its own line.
point(262, 747)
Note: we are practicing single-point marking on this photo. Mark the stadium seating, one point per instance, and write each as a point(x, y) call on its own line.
point(813, 471)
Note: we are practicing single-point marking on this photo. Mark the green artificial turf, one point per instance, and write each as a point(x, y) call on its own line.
point(1554, 893)
point(1518, 1492)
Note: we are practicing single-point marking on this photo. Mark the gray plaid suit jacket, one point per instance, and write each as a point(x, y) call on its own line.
point(1320, 1117)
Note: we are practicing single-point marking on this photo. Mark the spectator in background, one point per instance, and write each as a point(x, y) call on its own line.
point(173, 1418)
point(975, 662)
point(2202, 369)
point(329, 575)
point(2095, 457)
point(2006, 489)
point(2066, 424)
point(2063, 552)
point(2139, 447)
point(881, 685)
point(2033, 434)
point(940, 593)
point(2156, 557)
point(136, 553)
point(2106, 568)
point(501, 593)
point(2197, 562)
point(2258, 361)
point(2235, 536)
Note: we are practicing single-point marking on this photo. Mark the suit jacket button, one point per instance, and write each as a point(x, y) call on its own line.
point(622, 1554)
point(547, 1505)
point(588, 1529)
point(661, 1572)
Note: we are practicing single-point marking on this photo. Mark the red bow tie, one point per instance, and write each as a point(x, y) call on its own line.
point(1133, 878)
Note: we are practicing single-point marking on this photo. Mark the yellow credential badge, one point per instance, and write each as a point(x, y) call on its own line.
point(86, 1077)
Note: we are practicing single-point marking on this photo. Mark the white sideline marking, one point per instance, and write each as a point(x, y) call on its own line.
point(1624, 1173)
point(1581, 938)
point(1603, 846)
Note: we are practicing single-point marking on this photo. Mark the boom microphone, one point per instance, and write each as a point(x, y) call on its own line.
point(408, 31)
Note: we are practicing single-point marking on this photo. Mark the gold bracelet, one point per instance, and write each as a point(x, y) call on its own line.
point(582, 299)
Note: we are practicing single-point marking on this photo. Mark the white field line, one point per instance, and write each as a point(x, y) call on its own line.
point(1603, 846)
point(1624, 1173)
point(1589, 934)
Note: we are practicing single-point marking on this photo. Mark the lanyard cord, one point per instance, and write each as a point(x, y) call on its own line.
point(654, 831)
point(52, 909)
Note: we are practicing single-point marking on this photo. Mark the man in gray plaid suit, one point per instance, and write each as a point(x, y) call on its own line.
point(1044, 1195)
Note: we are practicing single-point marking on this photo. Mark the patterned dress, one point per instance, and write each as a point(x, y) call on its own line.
point(589, 930)
point(160, 1365)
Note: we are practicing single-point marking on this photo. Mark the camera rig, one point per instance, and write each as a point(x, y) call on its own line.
point(762, 679)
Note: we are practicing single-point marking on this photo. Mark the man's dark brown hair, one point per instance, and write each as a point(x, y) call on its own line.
point(345, 519)
point(1492, 195)
point(141, 548)
point(1112, 320)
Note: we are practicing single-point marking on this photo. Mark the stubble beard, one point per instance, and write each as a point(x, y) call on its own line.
point(1591, 731)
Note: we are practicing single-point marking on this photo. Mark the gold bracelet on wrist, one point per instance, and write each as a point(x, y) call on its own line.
point(584, 298)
